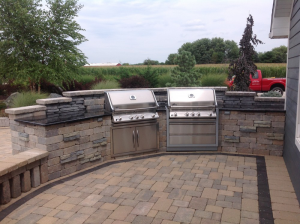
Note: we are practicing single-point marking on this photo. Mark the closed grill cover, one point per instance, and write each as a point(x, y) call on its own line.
point(191, 97)
point(131, 99)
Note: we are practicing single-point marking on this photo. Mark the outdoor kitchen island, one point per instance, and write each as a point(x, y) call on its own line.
point(76, 130)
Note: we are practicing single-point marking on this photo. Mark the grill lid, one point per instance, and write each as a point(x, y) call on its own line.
point(131, 100)
point(191, 98)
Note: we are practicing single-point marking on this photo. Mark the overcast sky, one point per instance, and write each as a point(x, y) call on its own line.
point(134, 30)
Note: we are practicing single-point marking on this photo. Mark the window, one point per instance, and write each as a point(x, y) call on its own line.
point(297, 137)
point(255, 75)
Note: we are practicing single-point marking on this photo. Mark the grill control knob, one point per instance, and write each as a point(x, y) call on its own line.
point(198, 114)
point(136, 117)
point(175, 114)
point(193, 114)
point(120, 118)
point(210, 114)
point(142, 116)
point(131, 117)
point(153, 115)
point(186, 114)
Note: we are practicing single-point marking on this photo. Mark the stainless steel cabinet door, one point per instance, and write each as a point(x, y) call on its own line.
point(146, 137)
point(123, 140)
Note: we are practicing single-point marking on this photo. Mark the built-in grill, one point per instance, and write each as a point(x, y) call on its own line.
point(192, 120)
point(134, 121)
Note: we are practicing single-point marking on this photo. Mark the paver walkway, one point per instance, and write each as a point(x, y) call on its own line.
point(165, 189)
point(5, 142)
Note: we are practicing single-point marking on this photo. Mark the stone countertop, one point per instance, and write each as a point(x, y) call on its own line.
point(47, 121)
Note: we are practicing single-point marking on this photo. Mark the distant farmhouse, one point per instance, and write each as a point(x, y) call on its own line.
point(102, 64)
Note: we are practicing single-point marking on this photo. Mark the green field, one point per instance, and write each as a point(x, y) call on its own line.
point(268, 70)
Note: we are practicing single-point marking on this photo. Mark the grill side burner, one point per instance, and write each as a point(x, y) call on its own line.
point(192, 120)
point(134, 121)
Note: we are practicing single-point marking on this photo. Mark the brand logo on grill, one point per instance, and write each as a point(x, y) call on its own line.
point(191, 95)
point(132, 97)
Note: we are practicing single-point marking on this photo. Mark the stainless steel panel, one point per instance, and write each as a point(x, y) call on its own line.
point(186, 129)
point(191, 120)
point(192, 139)
point(131, 99)
point(191, 97)
point(124, 140)
point(146, 137)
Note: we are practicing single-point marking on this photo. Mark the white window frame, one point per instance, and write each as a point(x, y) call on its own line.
point(297, 137)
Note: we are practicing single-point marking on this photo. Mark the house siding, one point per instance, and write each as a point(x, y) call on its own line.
point(291, 153)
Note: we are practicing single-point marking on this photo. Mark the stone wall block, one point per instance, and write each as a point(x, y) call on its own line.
point(71, 149)
point(23, 137)
point(231, 138)
point(230, 122)
point(86, 132)
point(247, 140)
point(237, 116)
point(264, 141)
point(275, 136)
point(263, 124)
point(55, 168)
point(5, 192)
point(66, 130)
point(254, 117)
point(35, 177)
point(278, 124)
point(247, 129)
point(71, 138)
point(261, 152)
point(25, 181)
point(55, 154)
point(50, 140)
point(44, 173)
point(81, 127)
point(231, 127)
point(15, 186)
point(54, 175)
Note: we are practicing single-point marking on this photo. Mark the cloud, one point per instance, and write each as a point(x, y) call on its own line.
point(219, 20)
point(194, 25)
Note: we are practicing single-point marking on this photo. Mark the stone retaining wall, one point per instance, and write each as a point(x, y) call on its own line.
point(259, 133)
point(4, 122)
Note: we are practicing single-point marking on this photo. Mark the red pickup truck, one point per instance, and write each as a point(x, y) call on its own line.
point(260, 84)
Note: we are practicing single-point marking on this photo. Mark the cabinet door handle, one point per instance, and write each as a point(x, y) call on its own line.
point(137, 139)
point(133, 138)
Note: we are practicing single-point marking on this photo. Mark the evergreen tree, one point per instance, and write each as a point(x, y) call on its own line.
point(242, 67)
point(39, 42)
point(184, 74)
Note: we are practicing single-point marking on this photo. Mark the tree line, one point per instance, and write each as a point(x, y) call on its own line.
point(217, 51)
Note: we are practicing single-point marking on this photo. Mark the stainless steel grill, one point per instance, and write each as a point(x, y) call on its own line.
point(192, 120)
point(134, 121)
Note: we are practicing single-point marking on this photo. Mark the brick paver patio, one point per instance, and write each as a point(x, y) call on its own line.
point(165, 188)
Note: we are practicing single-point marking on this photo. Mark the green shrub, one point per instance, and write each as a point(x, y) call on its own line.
point(110, 84)
point(164, 79)
point(134, 81)
point(151, 75)
point(27, 99)
point(2, 106)
point(84, 79)
point(213, 80)
point(271, 94)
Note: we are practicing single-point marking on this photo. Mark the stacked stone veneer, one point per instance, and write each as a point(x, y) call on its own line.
point(251, 127)
point(252, 132)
